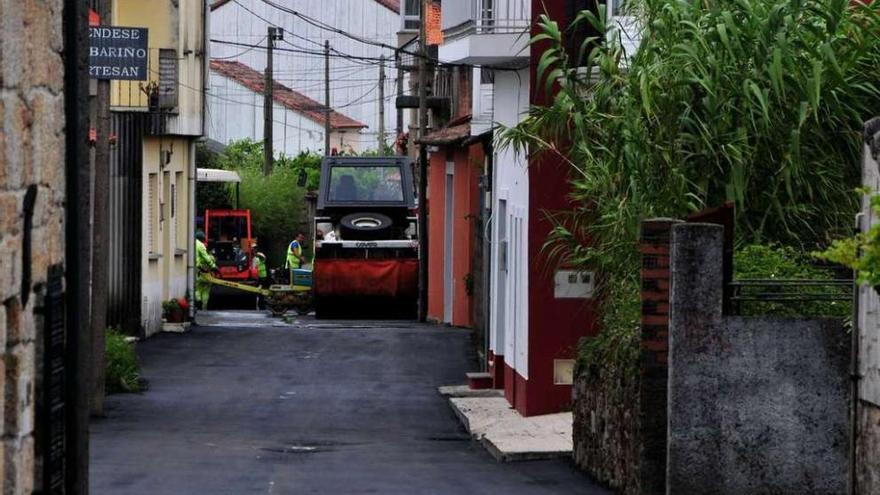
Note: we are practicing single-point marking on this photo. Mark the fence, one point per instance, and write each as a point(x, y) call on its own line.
point(464, 17)
point(798, 296)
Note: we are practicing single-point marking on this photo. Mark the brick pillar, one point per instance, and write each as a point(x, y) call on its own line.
point(654, 247)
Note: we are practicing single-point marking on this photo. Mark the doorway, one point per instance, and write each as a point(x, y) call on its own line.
point(448, 276)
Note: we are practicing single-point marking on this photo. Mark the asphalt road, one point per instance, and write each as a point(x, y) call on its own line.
point(347, 408)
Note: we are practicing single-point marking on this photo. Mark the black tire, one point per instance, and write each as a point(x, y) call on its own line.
point(364, 226)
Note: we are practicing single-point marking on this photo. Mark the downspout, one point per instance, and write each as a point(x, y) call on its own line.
point(487, 248)
point(191, 245)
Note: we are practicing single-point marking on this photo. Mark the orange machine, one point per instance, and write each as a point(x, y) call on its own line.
point(228, 239)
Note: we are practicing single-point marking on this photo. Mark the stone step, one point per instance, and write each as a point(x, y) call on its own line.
point(479, 380)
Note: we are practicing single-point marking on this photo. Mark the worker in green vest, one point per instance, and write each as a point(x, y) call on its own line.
point(205, 264)
point(260, 265)
point(295, 257)
point(262, 274)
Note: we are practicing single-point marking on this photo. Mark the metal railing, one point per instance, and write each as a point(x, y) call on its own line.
point(791, 297)
point(158, 93)
point(465, 17)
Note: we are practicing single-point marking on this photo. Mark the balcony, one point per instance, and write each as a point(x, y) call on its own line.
point(158, 94)
point(486, 32)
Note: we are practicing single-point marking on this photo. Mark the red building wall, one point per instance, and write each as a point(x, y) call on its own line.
point(555, 325)
point(436, 217)
point(468, 164)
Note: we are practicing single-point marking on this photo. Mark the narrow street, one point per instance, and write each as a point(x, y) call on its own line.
point(256, 405)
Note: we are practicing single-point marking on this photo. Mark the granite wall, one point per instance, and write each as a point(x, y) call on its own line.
point(757, 405)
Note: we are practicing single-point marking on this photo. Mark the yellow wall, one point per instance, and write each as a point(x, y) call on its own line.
point(152, 14)
point(166, 233)
point(170, 27)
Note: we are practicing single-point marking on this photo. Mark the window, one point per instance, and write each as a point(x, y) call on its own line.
point(487, 76)
point(487, 13)
point(410, 15)
point(354, 184)
point(180, 222)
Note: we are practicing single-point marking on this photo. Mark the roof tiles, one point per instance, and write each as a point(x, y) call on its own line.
point(283, 95)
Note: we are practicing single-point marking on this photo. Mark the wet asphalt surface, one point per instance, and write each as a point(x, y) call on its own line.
point(246, 407)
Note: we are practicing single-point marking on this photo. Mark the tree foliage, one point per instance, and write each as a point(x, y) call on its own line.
point(276, 201)
point(759, 102)
point(862, 251)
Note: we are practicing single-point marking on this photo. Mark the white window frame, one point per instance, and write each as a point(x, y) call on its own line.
point(406, 16)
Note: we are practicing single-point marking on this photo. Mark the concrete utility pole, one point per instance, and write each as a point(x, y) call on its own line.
point(78, 246)
point(327, 97)
point(273, 34)
point(100, 231)
point(382, 104)
point(399, 122)
point(423, 164)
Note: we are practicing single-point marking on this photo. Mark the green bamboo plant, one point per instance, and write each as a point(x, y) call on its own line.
point(759, 102)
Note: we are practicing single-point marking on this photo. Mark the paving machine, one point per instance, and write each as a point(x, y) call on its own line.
point(279, 298)
point(366, 239)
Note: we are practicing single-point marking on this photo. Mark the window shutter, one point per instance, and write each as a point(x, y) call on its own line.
point(152, 214)
point(168, 75)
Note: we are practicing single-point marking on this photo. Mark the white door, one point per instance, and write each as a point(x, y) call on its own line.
point(448, 277)
point(501, 261)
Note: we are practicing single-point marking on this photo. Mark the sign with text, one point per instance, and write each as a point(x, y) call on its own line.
point(117, 52)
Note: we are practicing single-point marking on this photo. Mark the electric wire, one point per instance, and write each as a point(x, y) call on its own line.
point(333, 29)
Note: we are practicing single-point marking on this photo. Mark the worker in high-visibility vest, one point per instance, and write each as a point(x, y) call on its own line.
point(205, 264)
point(262, 275)
point(260, 265)
point(295, 257)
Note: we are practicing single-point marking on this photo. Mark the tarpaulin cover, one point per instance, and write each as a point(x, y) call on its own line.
point(347, 277)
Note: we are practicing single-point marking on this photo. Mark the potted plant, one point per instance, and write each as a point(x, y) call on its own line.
point(172, 311)
point(151, 89)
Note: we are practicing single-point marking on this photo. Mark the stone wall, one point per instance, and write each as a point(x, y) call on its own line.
point(31, 166)
point(620, 420)
point(606, 436)
point(756, 405)
point(868, 449)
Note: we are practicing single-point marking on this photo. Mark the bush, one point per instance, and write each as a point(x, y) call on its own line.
point(123, 369)
point(756, 102)
point(786, 263)
point(276, 201)
point(861, 252)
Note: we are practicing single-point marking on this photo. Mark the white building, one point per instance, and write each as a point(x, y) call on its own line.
point(236, 111)
point(537, 311)
point(236, 26)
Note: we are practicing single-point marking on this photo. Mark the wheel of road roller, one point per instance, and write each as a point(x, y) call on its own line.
point(277, 310)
